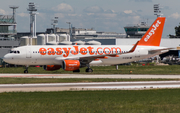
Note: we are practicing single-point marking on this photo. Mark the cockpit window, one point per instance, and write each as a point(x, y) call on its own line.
point(16, 52)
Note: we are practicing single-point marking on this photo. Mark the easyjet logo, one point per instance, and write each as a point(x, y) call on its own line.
point(152, 31)
point(75, 50)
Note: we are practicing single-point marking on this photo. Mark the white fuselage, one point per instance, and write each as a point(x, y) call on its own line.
point(55, 54)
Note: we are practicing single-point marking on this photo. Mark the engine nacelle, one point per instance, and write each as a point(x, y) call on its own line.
point(71, 65)
point(51, 67)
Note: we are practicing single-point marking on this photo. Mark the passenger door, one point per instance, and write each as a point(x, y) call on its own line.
point(28, 52)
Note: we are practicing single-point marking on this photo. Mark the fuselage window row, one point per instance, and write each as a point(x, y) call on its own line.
point(73, 52)
point(77, 52)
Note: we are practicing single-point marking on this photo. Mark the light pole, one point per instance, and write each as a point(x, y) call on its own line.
point(69, 28)
point(157, 10)
point(54, 23)
point(32, 11)
point(14, 17)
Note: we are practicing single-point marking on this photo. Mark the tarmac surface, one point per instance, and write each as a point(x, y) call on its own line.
point(88, 86)
point(89, 76)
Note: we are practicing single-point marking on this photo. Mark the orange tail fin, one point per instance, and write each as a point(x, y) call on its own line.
point(153, 36)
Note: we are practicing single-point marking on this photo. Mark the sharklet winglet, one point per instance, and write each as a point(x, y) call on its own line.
point(134, 47)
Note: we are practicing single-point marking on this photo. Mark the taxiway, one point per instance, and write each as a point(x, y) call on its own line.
point(88, 86)
point(89, 76)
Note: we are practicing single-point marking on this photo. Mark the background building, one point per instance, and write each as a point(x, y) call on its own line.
point(7, 34)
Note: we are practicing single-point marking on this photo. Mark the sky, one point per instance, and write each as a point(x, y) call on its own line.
point(101, 15)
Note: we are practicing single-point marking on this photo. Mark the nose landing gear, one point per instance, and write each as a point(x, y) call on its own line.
point(26, 70)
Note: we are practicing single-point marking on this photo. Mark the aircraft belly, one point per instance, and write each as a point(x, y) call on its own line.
point(94, 63)
point(20, 62)
point(45, 62)
point(37, 62)
point(119, 60)
point(111, 61)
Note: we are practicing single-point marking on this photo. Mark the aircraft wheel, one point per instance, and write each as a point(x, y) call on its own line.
point(76, 71)
point(25, 71)
point(89, 70)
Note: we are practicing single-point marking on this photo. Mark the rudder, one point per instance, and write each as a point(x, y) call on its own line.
point(153, 36)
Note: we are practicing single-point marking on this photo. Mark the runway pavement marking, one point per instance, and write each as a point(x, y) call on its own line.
point(89, 86)
point(92, 83)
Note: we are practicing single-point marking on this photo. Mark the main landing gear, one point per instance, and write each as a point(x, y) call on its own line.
point(89, 69)
point(26, 70)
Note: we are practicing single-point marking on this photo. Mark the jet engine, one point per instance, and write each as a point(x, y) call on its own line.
point(51, 67)
point(71, 65)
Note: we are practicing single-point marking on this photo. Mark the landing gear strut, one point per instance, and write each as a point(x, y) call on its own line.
point(89, 69)
point(26, 70)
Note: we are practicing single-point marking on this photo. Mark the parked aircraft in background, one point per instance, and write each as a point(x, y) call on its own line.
point(73, 57)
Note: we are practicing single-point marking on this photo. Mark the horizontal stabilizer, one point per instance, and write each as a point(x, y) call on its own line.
point(159, 50)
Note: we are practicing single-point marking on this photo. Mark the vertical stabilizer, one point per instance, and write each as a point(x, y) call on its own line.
point(153, 36)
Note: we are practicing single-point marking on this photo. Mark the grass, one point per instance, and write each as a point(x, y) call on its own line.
point(70, 80)
point(122, 101)
point(119, 101)
point(155, 70)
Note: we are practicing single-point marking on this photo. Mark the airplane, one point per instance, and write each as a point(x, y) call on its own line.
point(74, 57)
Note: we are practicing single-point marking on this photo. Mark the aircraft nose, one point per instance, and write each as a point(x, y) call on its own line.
point(7, 58)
